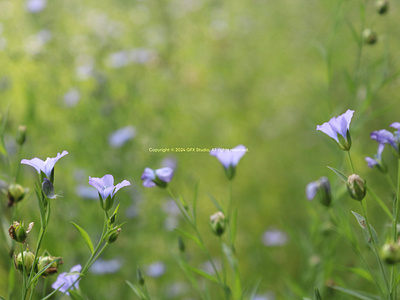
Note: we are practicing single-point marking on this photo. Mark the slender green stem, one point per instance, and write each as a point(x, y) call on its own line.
point(222, 260)
point(351, 161)
point(200, 238)
point(24, 275)
point(375, 250)
point(390, 180)
point(396, 212)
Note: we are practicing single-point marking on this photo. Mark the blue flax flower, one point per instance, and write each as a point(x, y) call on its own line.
point(384, 136)
point(229, 158)
point(107, 190)
point(321, 187)
point(338, 129)
point(377, 160)
point(65, 282)
point(159, 177)
point(46, 166)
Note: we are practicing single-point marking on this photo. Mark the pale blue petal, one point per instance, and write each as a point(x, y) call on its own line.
point(311, 190)
point(37, 163)
point(371, 162)
point(165, 174)
point(327, 129)
point(148, 174)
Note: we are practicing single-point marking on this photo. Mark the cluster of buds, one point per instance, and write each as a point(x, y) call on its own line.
point(47, 264)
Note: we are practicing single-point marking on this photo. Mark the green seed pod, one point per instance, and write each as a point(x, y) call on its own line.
point(356, 187)
point(28, 260)
point(15, 193)
point(113, 236)
point(390, 253)
point(18, 233)
point(44, 261)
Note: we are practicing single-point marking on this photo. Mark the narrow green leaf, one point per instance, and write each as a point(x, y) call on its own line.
point(317, 294)
point(363, 224)
point(189, 236)
point(362, 273)
point(195, 197)
point(202, 273)
point(359, 294)
point(2, 298)
point(53, 292)
point(3, 149)
point(233, 224)
point(380, 202)
point(75, 295)
point(341, 175)
point(229, 256)
point(136, 290)
point(85, 237)
point(42, 271)
point(216, 203)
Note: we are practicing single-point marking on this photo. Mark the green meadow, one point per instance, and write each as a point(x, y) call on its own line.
point(187, 76)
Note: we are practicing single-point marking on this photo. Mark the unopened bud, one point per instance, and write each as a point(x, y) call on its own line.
point(390, 253)
point(27, 260)
point(382, 6)
point(15, 193)
point(45, 260)
point(181, 245)
point(217, 222)
point(140, 277)
point(369, 36)
point(21, 135)
point(113, 236)
point(18, 233)
point(356, 187)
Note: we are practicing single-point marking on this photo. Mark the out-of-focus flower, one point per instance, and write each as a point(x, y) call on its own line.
point(369, 36)
point(66, 280)
point(321, 187)
point(107, 190)
point(46, 166)
point(338, 128)
point(382, 6)
point(18, 232)
point(102, 266)
point(377, 160)
point(125, 57)
point(218, 223)
point(86, 192)
point(72, 97)
point(229, 158)
point(169, 162)
point(155, 269)
point(274, 237)
point(159, 177)
point(356, 187)
point(35, 43)
point(119, 137)
point(384, 136)
point(266, 296)
point(35, 6)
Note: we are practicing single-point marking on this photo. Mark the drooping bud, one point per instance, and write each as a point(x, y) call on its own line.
point(15, 193)
point(382, 6)
point(217, 222)
point(356, 187)
point(21, 135)
point(181, 245)
point(114, 236)
point(369, 36)
point(27, 260)
point(18, 233)
point(45, 260)
point(140, 277)
point(390, 253)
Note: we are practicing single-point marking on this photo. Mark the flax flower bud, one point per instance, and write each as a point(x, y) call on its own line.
point(369, 36)
point(322, 188)
point(390, 253)
point(15, 193)
point(382, 6)
point(18, 233)
point(27, 261)
point(45, 260)
point(21, 135)
point(356, 187)
point(217, 222)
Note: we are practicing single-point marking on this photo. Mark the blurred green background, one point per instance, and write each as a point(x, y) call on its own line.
point(202, 74)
